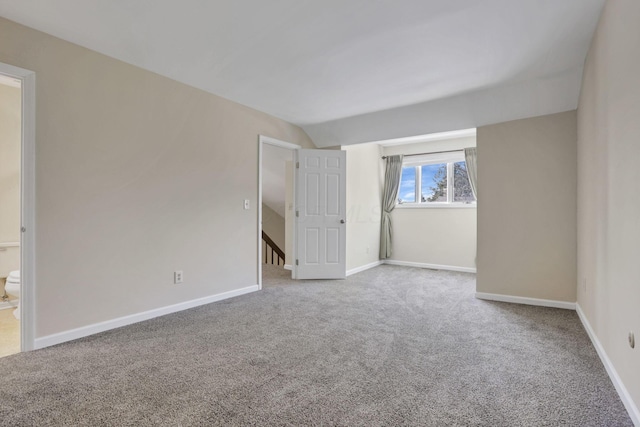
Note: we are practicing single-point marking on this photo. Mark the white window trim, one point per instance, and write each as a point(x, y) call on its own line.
point(449, 204)
point(450, 180)
point(437, 205)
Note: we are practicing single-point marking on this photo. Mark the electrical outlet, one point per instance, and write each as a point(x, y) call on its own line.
point(246, 204)
point(177, 277)
point(368, 249)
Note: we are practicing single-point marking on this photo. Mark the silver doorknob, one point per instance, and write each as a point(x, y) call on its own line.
point(342, 221)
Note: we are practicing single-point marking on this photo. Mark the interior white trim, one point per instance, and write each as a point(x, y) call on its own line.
point(527, 301)
point(444, 205)
point(430, 266)
point(364, 267)
point(287, 266)
point(28, 204)
point(276, 142)
point(627, 401)
point(10, 244)
point(440, 136)
point(4, 305)
point(10, 81)
point(28, 287)
point(95, 328)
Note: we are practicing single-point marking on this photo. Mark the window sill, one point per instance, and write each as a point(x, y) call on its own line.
point(437, 206)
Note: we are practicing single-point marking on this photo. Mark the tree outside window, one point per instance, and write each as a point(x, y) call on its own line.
point(436, 182)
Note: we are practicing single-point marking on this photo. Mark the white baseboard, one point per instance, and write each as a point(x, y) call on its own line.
point(95, 328)
point(12, 303)
point(363, 267)
point(430, 266)
point(632, 409)
point(288, 267)
point(528, 301)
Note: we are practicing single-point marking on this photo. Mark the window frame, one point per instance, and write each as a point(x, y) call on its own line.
point(449, 203)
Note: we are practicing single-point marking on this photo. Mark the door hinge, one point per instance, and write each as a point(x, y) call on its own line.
point(296, 262)
point(297, 213)
point(297, 165)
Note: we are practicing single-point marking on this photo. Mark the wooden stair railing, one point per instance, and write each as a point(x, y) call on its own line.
point(276, 253)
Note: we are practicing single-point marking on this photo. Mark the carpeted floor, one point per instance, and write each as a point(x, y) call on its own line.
point(388, 346)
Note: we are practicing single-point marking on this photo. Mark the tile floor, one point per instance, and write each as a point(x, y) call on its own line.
point(9, 333)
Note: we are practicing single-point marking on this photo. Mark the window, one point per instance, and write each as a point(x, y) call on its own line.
point(436, 179)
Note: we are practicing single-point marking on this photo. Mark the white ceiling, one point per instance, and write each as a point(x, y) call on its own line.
point(347, 71)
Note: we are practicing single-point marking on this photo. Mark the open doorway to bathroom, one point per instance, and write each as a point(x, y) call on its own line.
point(10, 221)
point(17, 208)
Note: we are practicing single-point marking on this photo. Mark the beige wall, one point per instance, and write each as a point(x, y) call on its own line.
point(434, 236)
point(137, 176)
point(273, 225)
point(10, 145)
point(527, 208)
point(444, 237)
point(608, 196)
point(364, 189)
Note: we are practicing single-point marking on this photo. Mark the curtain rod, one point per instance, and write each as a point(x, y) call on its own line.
point(431, 152)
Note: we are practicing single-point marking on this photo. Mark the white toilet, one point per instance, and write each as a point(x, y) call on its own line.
point(12, 287)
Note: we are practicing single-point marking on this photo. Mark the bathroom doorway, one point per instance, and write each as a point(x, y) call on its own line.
point(17, 213)
point(10, 162)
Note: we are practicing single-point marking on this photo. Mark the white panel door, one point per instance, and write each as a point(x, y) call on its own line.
point(321, 237)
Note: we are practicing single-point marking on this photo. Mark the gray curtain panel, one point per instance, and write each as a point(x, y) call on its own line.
point(470, 158)
point(392, 176)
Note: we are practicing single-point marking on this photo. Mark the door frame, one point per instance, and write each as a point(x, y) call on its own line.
point(262, 140)
point(27, 203)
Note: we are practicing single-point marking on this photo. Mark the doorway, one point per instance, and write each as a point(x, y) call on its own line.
point(275, 208)
point(315, 210)
point(17, 209)
point(10, 161)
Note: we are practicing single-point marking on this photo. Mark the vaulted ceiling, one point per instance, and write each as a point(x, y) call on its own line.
point(347, 71)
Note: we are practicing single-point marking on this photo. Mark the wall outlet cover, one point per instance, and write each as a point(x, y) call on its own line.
point(177, 277)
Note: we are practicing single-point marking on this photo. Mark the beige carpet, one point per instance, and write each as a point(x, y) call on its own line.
point(388, 346)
